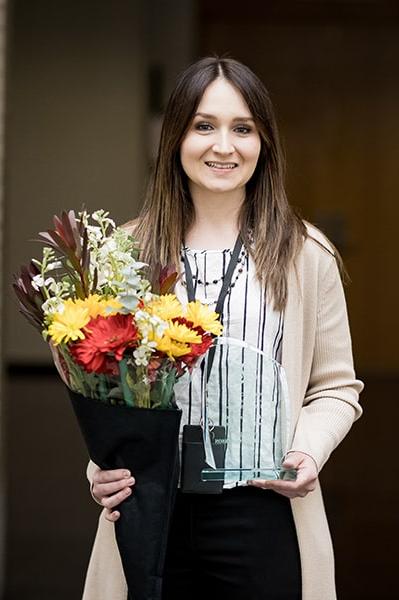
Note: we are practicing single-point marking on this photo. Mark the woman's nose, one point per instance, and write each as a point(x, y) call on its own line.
point(223, 144)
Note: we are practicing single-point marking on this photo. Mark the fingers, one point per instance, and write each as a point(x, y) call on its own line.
point(304, 484)
point(106, 489)
point(110, 488)
point(109, 476)
point(299, 460)
point(111, 501)
point(290, 489)
point(112, 515)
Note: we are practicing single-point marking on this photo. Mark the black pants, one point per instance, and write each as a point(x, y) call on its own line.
point(241, 543)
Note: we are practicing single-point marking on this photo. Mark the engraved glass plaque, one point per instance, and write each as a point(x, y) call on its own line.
point(245, 391)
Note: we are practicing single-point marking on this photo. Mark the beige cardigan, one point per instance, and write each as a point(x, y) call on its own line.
point(323, 390)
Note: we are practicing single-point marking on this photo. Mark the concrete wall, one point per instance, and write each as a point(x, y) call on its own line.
point(75, 123)
point(80, 127)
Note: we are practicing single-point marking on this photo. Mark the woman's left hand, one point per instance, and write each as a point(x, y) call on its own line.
point(304, 483)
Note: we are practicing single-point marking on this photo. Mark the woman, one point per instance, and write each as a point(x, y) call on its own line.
point(219, 173)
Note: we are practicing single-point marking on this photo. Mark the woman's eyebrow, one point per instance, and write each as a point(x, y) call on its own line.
point(208, 116)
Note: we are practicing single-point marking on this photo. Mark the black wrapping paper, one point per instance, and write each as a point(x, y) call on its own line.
point(145, 441)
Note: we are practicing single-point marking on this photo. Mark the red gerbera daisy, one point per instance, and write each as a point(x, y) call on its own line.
point(197, 350)
point(183, 321)
point(106, 339)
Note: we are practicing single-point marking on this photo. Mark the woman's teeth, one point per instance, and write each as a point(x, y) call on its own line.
point(216, 165)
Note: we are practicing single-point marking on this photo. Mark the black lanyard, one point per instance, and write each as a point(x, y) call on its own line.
point(226, 281)
point(223, 292)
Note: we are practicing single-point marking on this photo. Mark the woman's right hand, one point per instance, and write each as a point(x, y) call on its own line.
point(110, 488)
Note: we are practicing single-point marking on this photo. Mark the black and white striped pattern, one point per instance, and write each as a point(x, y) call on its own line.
point(249, 317)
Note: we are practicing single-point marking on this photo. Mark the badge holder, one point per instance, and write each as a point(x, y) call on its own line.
point(193, 459)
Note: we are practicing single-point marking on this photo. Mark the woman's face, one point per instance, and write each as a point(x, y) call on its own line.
point(220, 151)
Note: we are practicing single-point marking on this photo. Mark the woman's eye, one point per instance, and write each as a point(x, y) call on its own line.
point(243, 129)
point(203, 126)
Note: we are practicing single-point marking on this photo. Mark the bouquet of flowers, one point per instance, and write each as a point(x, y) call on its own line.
point(119, 342)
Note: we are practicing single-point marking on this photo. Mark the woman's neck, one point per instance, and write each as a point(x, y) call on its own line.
point(216, 221)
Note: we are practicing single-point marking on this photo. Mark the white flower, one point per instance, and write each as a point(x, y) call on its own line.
point(38, 282)
point(108, 247)
point(150, 326)
point(142, 354)
point(101, 216)
point(147, 297)
point(105, 274)
point(54, 265)
point(58, 287)
point(94, 234)
point(52, 306)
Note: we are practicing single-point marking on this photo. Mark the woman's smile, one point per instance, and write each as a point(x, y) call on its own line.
point(221, 167)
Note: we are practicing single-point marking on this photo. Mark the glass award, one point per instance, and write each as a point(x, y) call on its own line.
point(244, 395)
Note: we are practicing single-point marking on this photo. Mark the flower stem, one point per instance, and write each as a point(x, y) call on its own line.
point(103, 388)
point(127, 392)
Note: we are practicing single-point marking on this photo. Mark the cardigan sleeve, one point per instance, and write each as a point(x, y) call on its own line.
point(331, 401)
point(91, 468)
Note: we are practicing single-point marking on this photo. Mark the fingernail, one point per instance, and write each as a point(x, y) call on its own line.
point(126, 474)
point(128, 491)
point(131, 481)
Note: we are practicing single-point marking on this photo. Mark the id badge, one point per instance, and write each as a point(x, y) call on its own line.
point(193, 459)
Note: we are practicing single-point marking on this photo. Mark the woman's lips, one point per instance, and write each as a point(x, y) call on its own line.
point(221, 167)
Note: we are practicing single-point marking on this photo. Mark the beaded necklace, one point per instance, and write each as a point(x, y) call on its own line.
point(240, 263)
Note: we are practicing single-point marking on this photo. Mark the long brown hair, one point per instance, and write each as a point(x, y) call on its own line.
point(265, 217)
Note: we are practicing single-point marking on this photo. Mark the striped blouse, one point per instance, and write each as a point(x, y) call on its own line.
point(247, 316)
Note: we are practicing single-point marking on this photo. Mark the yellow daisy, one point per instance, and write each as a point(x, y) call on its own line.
point(203, 316)
point(165, 307)
point(171, 347)
point(67, 326)
point(176, 340)
point(110, 303)
point(97, 305)
point(181, 333)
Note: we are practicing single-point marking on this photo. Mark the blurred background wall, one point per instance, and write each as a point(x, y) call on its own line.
point(3, 37)
point(86, 84)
